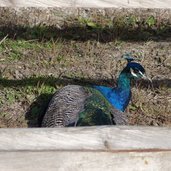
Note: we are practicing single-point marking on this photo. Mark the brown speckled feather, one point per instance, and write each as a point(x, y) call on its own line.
point(64, 107)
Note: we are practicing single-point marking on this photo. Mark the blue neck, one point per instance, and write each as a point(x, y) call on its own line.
point(123, 82)
point(120, 96)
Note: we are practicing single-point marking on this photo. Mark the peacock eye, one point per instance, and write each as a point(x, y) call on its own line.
point(136, 71)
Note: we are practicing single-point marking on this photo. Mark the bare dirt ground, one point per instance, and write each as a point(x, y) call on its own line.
point(32, 70)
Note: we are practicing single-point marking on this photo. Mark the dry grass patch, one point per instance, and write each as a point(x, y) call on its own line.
point(31, 71)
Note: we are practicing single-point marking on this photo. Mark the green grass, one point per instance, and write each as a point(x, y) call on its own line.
point(16, 48)
point(99, 28)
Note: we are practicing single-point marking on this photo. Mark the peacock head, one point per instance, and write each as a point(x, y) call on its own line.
point(134, 69)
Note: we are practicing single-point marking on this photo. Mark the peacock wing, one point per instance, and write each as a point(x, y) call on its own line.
point(65, 106)
point(97, 110)
point(119, 117)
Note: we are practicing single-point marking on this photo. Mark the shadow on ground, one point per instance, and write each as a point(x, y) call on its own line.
point(84, 33)
point(37, 109)
point(52, 81)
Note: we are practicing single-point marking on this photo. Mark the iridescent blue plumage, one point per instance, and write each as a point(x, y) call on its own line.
point(96, 105)
point(120, 96)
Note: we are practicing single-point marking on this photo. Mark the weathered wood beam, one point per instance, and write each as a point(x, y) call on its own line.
point(86, 148)
point(84, 161)
point(102, 138)
point(89, 3)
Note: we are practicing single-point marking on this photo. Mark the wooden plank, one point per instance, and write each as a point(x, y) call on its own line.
point(102, 138)
point(84, 161)
point(86, 148)
point(89, 3)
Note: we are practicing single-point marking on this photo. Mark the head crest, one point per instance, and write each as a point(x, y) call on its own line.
point(128, 57)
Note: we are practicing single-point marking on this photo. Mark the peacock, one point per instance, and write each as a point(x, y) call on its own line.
point(76, 105)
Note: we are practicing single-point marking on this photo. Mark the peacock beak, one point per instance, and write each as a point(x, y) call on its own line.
point(144, 76)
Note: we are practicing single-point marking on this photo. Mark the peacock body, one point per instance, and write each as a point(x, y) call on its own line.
point(76, 105)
